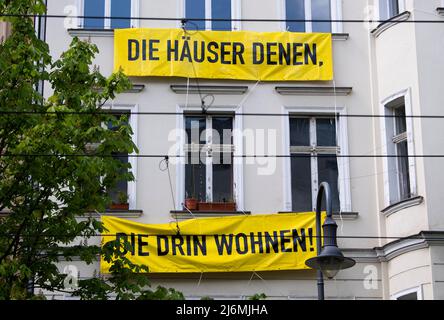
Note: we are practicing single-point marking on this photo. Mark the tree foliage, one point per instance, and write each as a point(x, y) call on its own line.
point(56, 164)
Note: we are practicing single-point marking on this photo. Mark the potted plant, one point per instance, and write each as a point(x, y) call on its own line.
point(190, 203)
point(224, 206)
point(122, 202)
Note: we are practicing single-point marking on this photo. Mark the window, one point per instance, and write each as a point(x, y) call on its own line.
point(389, 8)
point(210, 9)
point(119, 194)
point(209, 153)
point(312, 10)
point(399, 173)
point(410, 294)
point(95, 12)
point(313, 149)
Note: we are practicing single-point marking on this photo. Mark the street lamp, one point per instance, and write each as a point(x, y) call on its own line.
point(329, 258)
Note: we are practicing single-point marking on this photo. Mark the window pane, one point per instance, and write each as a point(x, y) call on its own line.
point(195, 9)
point(195, 177)
point(403, 170)
point(410, 296)
point(223, 126)
point(120, 8)
point(94, 8)
point(299, 131)
point(222, 177)
point(400, 121)
point(320, 10)
point(388, 9)
point(194, 127)
point(295, 10)
point(122, 185)
point(221, 9)
point(326, 132)
point(301, 183)
point(328, 172)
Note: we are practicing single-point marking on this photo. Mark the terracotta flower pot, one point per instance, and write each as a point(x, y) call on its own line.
point(119, 206)
point(191, 204)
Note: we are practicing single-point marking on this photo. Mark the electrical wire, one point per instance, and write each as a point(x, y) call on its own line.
point(189, 20)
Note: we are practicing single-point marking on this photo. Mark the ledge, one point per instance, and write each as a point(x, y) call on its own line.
point(390, 23)
point(116, 213)
point(336, 215)
point(80, 32)
point(184, 214)
point(193, 89)
point(440, 11)
point(136, 88)
point(314, 91)
point(340, 36)
point(402, 205)
point(83, 32)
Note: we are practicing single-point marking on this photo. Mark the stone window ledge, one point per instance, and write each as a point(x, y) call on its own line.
point(404, 204)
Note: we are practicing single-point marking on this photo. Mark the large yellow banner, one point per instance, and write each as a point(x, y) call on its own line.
point(242, 55)
point(225, 244)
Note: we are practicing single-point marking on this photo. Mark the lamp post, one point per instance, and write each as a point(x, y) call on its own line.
point(329, 259)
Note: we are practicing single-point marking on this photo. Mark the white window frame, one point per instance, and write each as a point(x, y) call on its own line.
point(391, 185)
point(135, 8)
point(238, 180)
point(235, 14)
point(336, 14)
point(343, 162)
point(417, 290)
point(401, 4)
point(132, 159)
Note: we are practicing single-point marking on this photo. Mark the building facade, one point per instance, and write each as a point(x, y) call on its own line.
point(385, 75)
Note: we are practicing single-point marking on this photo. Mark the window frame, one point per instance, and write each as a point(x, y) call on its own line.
point(417, 290)
point(132, 159)
point(391, 182)
point(401, 6)
point(235, 14)
point(135, 8)
point(238, 182)
point(336, 14)
point(342, 162)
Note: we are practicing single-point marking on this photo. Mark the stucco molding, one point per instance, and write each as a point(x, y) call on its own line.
point(402, 205)
point(207, 89)
point(390, 23)
point(440, 11)
point(423, 240)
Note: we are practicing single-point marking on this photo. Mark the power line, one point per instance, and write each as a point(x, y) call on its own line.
point(294, 155)
point(192, 113)
point(184, 20)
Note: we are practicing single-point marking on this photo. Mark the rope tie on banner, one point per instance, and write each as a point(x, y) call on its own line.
point(167, 168)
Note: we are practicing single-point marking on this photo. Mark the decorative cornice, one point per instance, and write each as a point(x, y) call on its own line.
point(206, 89)
point(390, 23)
point(440, 10)
point(402, 205)
point(314, 91)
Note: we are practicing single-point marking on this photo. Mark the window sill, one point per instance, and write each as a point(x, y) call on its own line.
point(390, 23)
point(184, 214)
point(116, 213)
point(440, 11)
point(404, 204)
point(84, 32)
point(337, 216)
point(314, 91)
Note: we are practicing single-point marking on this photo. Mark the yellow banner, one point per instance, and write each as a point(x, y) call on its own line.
point(225, 244)
point(241, 55)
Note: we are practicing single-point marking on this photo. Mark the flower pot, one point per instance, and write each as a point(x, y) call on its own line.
point(217, 206)
point(119, 206)
point(191, 204)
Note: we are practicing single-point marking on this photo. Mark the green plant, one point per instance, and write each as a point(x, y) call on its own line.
point(258, 296)
point(122, 197)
